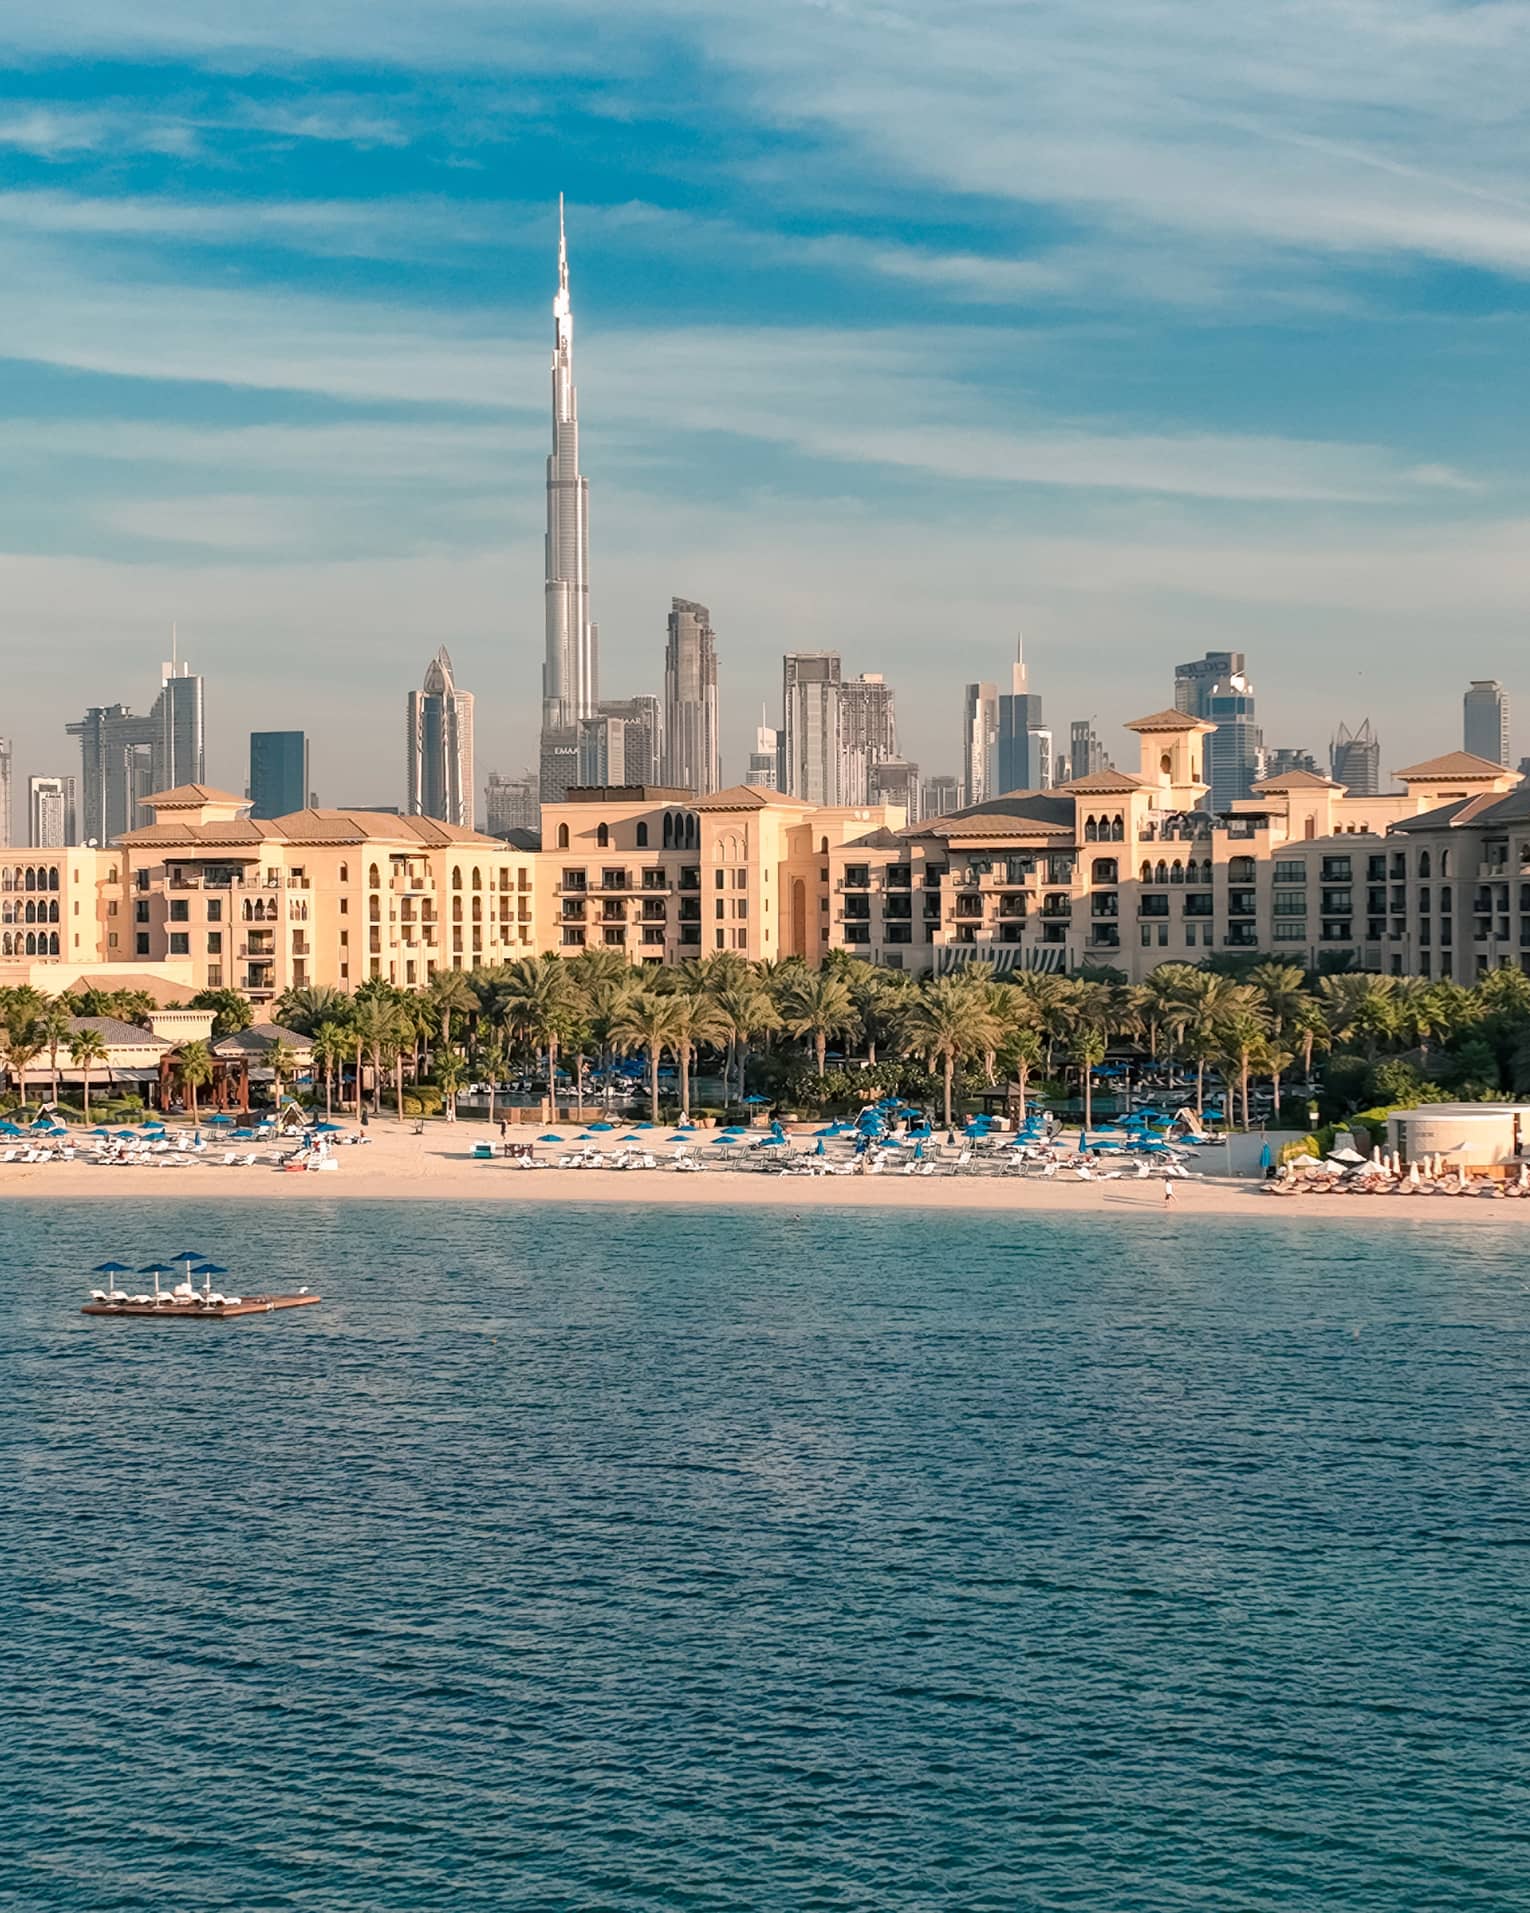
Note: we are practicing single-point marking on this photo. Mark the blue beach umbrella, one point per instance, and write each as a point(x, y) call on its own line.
point(111, 1268)
point(11, 1129)
point(328, 1129)
point(820, 1150)
point(209, 1268)
point(218, 1118)
point(756, 1099)
point(186, 1255)
point(602, 1126)
point(726, 1139)
point(549, 1137)
point(130, 1134)
point(681, 1135)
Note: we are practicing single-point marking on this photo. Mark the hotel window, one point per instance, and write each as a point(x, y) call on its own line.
point(741, 906)
point(140, 912)
point(215, 943)
point(719, 877)
point(719, 906)
point(345, 937)
point(1336, 902)
point(720, 936)
point(215, 910)
point(1336, 870)
point(1290, 872)
point(1291, 932)
point(1291, 903)
point(180, 910)
point(111, 940)
point(142, 943)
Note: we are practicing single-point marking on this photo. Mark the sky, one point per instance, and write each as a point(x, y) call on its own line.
point(1140, 327)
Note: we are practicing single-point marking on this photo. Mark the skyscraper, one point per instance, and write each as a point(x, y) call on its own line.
point(603, 751)
point(178, 749)
point(868, 733)
point(896, 781)
point(764, 769)
point(1193, 682)
point(940, 795)
point(511, 803)
point(1024, 744)
point(642, 722)
point(812, 748)
point(1287, 758)
point(570, 670)
point(1354, 760)
point(691, 759)
point(116, 770)
point(278, 773)
point(5, 790)
point(1235, 749)
point(980, 739)
point(439, 747)
point(1086, 754)
point(1485, 720)
point(51, 819)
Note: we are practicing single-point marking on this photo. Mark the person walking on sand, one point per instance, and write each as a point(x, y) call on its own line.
point(1168, 1192)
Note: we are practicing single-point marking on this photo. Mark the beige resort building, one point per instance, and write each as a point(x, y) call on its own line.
point(1118, 868)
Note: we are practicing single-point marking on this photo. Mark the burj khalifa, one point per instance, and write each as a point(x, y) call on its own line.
point(570, 670)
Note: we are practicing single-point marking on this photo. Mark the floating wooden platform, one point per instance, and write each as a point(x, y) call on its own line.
point(199, 1311)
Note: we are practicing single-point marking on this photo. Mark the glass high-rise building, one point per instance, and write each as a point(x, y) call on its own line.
point(1354, 760)
point(1485, 720)
point(570, 669)
point(115, 769)
point(812, 748)
point(691, 752)
point(278, 773)
point(439, 747)
point(52, 822)
point(1235, 749)
point(1195, 682)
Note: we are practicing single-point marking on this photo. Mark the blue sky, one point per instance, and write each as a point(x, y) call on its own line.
point(1140, 326)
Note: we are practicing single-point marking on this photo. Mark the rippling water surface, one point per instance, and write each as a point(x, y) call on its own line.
point(573, 1559)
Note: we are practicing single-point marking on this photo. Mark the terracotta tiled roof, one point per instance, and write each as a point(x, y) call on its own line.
point(1297, 780)
point(190, 797)
point(1452, 764)
point(1169, 721)
point(1101, 783)
point(740, 797)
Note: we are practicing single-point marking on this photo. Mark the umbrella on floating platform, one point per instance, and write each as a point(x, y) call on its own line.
point(156, 1269)
point(210, 1268)
point(111, 1268)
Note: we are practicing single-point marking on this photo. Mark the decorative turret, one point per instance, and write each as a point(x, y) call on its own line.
point(1172, 757)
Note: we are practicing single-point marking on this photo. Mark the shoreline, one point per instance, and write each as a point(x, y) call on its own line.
point(394, 1165)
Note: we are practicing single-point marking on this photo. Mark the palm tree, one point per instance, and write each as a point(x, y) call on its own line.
point(948, 1019)
point(86, 1048)
point(647, 1022)
point(603, 999)
point(748, 1010)
point(1087, 1048)
point(450, 993)
point(53, 1027)
point(1361, 1007)
point(817, 1003)
point(1022, 1054)
point(305, 1009)
point(1283, 988)
point(695, 1019)
point(331, 1046)
point(1241, 1031)
point(494, 1062)
point(1049, 998)
point(1191, 1012)
point(282, 1061)
point(196, 1069)
point(378, 1031)
point(538, 1004)
point(23, 1046)
point(449, 1071)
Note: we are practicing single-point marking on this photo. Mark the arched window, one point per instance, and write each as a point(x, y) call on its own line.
point(53, 943)
point(823, 846)
point(477, 878)
point(1444, 863)
point(1423, 863)
point(374, 881)
point(1104, 870)
point(31, 879)
point(1091, 831)
point(375, 911)
point(478, 909)
point(456, 909)
point(669, 830)
point(1146, 873)
point(1117, 830)
point(563, 836)
point(31, 943)
point(642, 836)
point(456, 876)
point(602, 836)
point(53, 912)
point(53, 876)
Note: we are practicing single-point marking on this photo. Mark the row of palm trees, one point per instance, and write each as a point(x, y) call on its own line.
point(596, 1007)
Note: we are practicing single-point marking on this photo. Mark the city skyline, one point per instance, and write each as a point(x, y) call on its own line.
point(279, 370)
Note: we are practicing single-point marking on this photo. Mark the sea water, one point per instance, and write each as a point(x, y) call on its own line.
point(569, 1558)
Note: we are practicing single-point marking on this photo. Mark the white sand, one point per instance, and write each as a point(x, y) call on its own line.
point(396, 1165)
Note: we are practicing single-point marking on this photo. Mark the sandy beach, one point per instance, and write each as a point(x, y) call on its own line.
point(394, 1164)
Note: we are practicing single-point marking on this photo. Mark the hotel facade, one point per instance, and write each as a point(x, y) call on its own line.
point(1125, 869)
